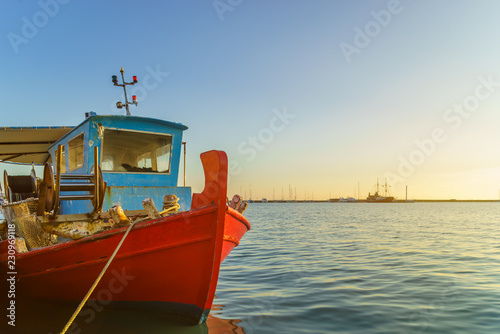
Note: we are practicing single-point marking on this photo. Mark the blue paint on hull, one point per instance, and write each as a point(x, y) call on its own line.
point(130, 198)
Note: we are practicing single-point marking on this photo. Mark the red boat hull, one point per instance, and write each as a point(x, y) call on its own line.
point(236, 225)
point(170, 265)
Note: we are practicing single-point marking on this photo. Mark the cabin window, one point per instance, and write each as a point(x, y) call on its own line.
point(75, 152)
point(144, 160)
point(138, 152)
point(163, 157)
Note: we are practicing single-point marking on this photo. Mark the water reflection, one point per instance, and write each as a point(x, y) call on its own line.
point(218, 325)
point(37, 317)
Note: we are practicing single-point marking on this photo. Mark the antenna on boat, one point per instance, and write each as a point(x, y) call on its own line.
point(120, 105)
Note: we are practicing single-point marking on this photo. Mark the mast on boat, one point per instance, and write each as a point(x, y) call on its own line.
point(120, 105)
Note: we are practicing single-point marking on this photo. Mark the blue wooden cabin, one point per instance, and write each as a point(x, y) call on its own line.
point(139, 158)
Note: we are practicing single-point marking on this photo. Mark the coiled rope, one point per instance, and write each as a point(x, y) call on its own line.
point(170, 204)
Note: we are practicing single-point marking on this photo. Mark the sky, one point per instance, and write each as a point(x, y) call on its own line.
point(318, 97)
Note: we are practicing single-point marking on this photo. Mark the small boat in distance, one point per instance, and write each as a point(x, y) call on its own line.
point(377, 198)
point(347, 200)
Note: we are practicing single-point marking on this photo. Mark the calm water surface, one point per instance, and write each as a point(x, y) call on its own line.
point(366, 268)
point(346, 268)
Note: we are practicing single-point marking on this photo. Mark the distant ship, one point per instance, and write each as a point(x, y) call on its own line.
point(347, 200)
point(377, 198)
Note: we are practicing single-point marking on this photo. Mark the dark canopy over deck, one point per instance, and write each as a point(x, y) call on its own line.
point(29, 144)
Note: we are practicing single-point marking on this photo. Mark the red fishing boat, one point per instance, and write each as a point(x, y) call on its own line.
point(68, 230)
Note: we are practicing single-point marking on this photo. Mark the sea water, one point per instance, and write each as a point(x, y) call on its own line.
point(366, 268)
point(343, 268)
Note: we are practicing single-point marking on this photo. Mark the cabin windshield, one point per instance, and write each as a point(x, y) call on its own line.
point(136, 152)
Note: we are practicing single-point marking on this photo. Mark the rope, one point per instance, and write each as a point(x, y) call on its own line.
point(98, 279)
point(172, 208)
point(170, 204)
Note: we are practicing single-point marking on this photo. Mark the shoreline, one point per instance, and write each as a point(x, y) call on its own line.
point(395, 201)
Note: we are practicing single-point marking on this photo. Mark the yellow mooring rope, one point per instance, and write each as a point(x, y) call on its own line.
point(98, 279)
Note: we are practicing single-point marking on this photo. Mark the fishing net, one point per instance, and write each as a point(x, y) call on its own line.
point(23, 215)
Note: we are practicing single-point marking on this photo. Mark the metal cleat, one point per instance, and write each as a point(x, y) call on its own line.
point(149, 206)
point(118, 216)
point(235, 202)
point(243, 206)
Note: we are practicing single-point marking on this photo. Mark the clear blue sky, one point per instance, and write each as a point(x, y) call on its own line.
point(318, 95)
